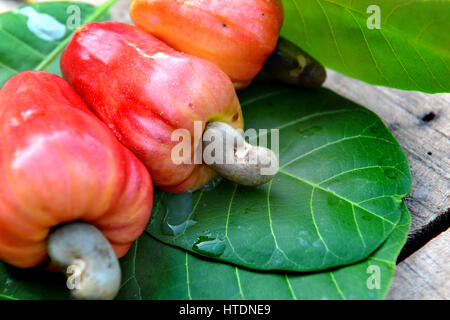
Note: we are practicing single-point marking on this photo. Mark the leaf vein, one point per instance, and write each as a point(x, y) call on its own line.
point(290, 287)
point(398, 60)
point(335, 194)
point(26, 45)
point(353, 170)
point(333, 279)
point(227, 222)
point(272, 231)
point(187, 277)
point(313, 218)
point(428, 68)
point(326, 145)
point(8, 297)
point(332, 33)
point(303, 22)
point(357, 227)
point(368, 48)
point(9, 68)
point(382, 196)
point(239, 283)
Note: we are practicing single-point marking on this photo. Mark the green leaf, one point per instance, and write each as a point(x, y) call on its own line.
point(409, 51)
point(337, 196)
point(153, 270)
point(31, 284)
point(33, 37)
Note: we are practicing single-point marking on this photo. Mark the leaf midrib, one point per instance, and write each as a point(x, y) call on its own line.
point(8, 297)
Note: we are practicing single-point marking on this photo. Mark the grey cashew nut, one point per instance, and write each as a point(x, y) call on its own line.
point(227, 152)
point(87, 256)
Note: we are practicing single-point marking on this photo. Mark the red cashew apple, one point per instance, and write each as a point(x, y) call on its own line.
point(144, 90)
point(60, 164)
point(236, 35)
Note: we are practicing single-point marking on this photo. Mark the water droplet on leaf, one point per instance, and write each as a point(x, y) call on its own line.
point(176, 230)
point(211, 247)
point(42, 25)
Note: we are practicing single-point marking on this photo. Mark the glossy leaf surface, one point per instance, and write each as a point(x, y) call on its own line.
point(336, 198)
point(402, 44)
point(182, 275)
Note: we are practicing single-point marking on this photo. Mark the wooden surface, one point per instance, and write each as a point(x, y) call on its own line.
point(424, 275)
point(421, 124)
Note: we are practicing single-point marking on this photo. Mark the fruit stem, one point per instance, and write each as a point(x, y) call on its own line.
point(81, 250)
point(226, 151)
point(291, 65)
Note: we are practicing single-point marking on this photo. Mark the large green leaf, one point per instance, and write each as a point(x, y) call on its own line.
point(153, 270)
point(411, 50)
point(33, 37)
point(336, 198)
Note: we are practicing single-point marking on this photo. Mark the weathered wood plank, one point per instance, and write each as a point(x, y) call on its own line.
point(426, 274)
